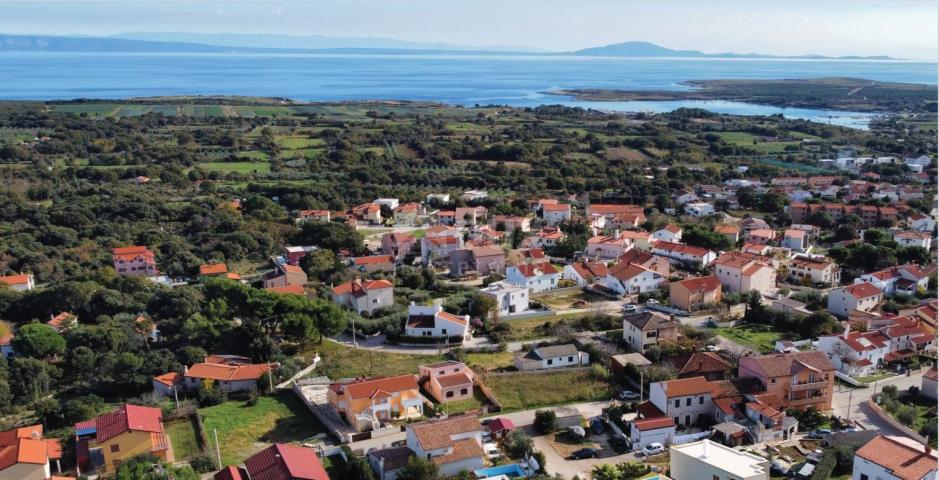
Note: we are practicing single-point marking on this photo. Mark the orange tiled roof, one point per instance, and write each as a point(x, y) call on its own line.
point(686, 386)
point(901, 460)
point(213, 269)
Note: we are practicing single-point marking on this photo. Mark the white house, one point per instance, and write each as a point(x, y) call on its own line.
point(453, 444)
point(432, 321)
point(913, 239)
point(905, 279)
point(642, 432)
point(668, 233)
point(509, 298)
point(554, 356)
point(743, 272)
point(19, 283)
point(922, 223)
point(918, 164)
point(538, 277)
point(816, 270)
point(585, 273)
point(680, 253)
point(603, 247)
point(894, 458)
point(855, 354)
point(391, 203)
point(711, 460)
point(364, 297)
point(683, 400)
point(860, 296)
point(928, 387)
point(699, 209)
point(795, 240)
point(629, 278)
point(555, 214)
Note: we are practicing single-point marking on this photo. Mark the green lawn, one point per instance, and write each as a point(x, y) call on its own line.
point(876, 377)
point(520, 392)
point(477, 402)
point(294, 142)
point(489, 361)
point(240, 167)
point(758, 337)
point(243, 429)
point(183, 437)
point(339, 361)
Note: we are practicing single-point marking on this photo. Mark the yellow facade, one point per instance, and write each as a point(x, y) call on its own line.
point(385, 407)
point(127, 445)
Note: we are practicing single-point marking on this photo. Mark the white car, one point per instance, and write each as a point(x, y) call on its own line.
point(492, 451)
point(653, 448)
point(628, 395)
point(630, 308)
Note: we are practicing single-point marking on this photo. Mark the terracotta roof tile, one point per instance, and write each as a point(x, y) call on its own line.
point(901, 460)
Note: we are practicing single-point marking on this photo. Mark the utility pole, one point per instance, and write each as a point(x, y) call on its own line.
point(641, 385)
point(270, 376)
point(850, 395)
point(218, 451)
point(176, 396)
point(355, 343)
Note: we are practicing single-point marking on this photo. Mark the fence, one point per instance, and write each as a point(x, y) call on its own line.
point(691, 437)
point(487, 392)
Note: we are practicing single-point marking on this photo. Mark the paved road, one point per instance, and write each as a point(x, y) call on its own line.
point(843, 395)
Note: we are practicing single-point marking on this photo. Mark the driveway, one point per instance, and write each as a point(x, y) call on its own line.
point(848, 402)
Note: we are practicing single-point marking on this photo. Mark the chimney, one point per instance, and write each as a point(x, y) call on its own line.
point(616, 234)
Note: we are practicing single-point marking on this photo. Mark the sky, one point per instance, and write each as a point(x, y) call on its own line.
point(899, 28)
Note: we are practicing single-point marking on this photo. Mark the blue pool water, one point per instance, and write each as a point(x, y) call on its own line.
point(511, 470)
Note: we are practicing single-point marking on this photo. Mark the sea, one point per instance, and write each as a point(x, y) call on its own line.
point(458, 79)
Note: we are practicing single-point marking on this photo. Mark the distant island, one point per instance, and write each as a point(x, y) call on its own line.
point(235, 43)
point(850, 94)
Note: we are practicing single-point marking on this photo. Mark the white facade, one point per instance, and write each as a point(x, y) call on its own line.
point(841, 302)
point(850, 361)
point(451, 468)
point(391, 203)
point(555, 217)
point(443, 324)
point(539, 281)
point(638, 439)
point(923, 223)
point(685, 409)
point(913, 239)
point(644, 282)
point(666, 235)
point(707, 460)
point(510, 299)
point(699, 209)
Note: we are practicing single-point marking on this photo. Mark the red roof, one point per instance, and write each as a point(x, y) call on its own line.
point(358, 287)
point(862, 290)
point(707, 284)
point(169, 379)
point(231, 373)
point(374, 259)
point(15, 279)
point(128, 418)
point(231, 473)
point(285, 462)
point(683, 387)
point(292, 268)
point(681, 248)
point(367, 388)
point(133, 250)
point(501, 424)
point(213, 269)
point(901, 460)
point(294, 289)
point(653, 423)
point(531, 269)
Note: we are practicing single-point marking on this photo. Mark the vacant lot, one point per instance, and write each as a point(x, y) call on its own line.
point(244, 429)
point(240, 167)
point(339, 361)
point(182, 435)
point(758, 337)
point(525, 391)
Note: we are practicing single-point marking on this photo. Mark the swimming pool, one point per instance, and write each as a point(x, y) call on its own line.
point(511, 470)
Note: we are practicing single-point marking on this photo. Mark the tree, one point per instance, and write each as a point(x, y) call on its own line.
point(359, 469)
point(331, 236)
point(906, 414)
point(705, 238)
point(518, 444)
point(38, 341)
point(546, 421)
point(298, 327)
point(419, 469)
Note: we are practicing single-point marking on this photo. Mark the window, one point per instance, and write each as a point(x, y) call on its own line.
point(115, 448)
point(772, 380)
point(464, 391)
point(550, 361)
point(570, 359)
point(676, 421)
point(450, 394)
point(443, 331)
point(688, 402)
point(700, 400)
point(687, 420)
point(715, 477)
point(864, 476)
point(677, 403)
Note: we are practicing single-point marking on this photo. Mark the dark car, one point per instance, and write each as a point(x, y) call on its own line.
point(584, 453)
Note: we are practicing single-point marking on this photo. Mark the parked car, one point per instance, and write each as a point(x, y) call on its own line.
point(711, 348)
point(628, 395)
point(584, 453)
point(652, 301)
point(820, 433)
point(653, 448)
point(630, 308)
point(492, 451)
point(597, 426)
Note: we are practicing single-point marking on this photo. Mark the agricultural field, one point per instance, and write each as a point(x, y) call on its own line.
point(240, 167)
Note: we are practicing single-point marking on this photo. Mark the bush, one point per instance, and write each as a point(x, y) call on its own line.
point(202, 463)
point(546, 421)
point(518, 444)
point(207, 397)
point(906, 414)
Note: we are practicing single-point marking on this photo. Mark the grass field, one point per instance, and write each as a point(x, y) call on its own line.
point(475, 403)
point(183, 437)
point(339, 361)
point(295, 143)
point(240, 167)
point(520, 392)
point(876, 377)
point(244, 429)
point(758, 337)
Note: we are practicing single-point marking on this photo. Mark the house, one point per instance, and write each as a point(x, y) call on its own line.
point(603, 247)
point(684, 400)
point(788, 305)
point(668, 233)
point(483, 260)
point(795, 240)
point(25, 455)
point(625, 221)
point(437, 249)
point(374, 264)
point(447, 381)
point(369, 403)
point(446, 218)
point(646, 260)
point(501, 427)
point(367, 212)
point(280, 461)
point(364, 296)
point(285, 275)
point(699, 209)
point(860, 296)
point(135, 260)
point(114, 437)
point(813, 271)
point(856, 354)
point(294, 253)
point(63, 321)
point(469, 216)
point(408, 214)
point(629, 278)
point(732, 232)
point(642, 432)
point(584, 273)
point(922, 223)
point(509, 298)
point(555, 356)
point(917, 164)
point(690, 294)
point(709, 365)
point(510, 223)
point(6, 341)
point(742, 272)
point(681, 254)
point(217, 270)
point(555, 214)
point(167, 384)
point(618, 362)
point(905, 279)
point(756, 248)
point(928, 386)
point(914, 239)
point(609, 211)
point(538, 277)
point(641, 240)
point(763, 236)
point(387, 462)
point(22, 282)
point(471, 195)
point(894, 458)
point(711, 460)
point(398, 244)
point(432, 321)
point(453, 444)
point(313, 216)
point(546, 238)
point(223, 375)
point(644, 329)
point(437, 197)
point(798, 379)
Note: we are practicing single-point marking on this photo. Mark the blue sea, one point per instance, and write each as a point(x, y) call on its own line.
point(516, 80)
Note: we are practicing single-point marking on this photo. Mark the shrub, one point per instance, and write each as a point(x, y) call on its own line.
point(546, 421)
point(518, 444)
point(906, 414)
point(202, 463)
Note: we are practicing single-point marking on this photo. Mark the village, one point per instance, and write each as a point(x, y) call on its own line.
point(699, 342)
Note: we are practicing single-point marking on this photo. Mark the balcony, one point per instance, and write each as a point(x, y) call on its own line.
point(808, 400)
point(799, 387)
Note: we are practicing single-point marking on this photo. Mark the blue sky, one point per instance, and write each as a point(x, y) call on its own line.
point(902, 28)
